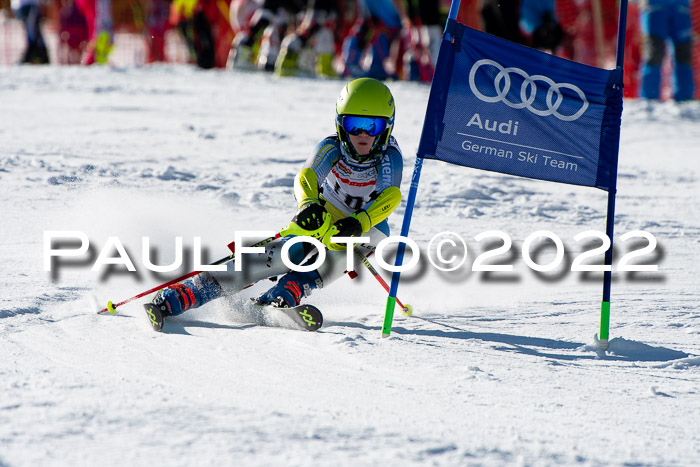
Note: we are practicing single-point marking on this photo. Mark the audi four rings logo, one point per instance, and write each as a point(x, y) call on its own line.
point(528, 91)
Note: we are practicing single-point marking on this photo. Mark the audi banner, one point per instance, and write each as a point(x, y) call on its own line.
point(499, 106)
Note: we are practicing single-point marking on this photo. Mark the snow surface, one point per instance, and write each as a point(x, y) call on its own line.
point(492, 368)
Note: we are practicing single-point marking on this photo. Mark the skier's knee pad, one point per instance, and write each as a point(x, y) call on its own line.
point(655, 50)
point(683, 53)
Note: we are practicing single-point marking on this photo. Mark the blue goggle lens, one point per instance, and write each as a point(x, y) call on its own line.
point(374, 126)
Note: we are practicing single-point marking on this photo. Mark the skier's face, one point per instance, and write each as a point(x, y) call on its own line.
point(362, 143)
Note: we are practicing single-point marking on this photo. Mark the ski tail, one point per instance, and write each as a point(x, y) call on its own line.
point(307, 316)
point(155, 315)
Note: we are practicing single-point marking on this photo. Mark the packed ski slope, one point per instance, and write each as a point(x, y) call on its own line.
point(492, 368)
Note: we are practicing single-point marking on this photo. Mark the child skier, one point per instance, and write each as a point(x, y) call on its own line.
point(347, 188)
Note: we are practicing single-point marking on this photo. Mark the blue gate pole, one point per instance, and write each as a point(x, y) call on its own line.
point(610, 224)
point(391, 299)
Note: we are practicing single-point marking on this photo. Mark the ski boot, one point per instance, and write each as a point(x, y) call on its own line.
point(290, 289)
point(178, 298)
point(282, 302)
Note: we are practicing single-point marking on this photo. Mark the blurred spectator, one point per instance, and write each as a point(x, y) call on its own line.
point(240, 13)
point(422, 36)
point(633, 51)
point(257, 44)
point(663, 20)
point(216, 12)
point(590, 30)
point(695, 18)
point(29, 11)
point(195, 28)
point(157, 14)
point(502, 18)
point(469, 13)
point(98, 17)
point(366, 49)
point(73, 35)
point(87, 10)
point(539, 23)
point(311, 47)
point(394, 39)
point(567, 12)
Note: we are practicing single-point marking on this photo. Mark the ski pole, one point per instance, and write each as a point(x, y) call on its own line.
point(406, 310)
point(111, 307)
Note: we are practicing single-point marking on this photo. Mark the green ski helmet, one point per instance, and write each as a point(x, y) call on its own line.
point(365, 97)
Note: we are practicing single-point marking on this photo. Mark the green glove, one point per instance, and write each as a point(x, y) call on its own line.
point(311, 220)
point(346, 227)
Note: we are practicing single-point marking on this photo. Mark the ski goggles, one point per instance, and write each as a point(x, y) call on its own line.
point(374, 126)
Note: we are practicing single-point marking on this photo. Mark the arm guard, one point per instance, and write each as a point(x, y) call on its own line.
point(380, 208)
point(305, 187)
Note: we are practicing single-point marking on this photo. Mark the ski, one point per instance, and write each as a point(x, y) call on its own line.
point(155, 315)
point(302, 317)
